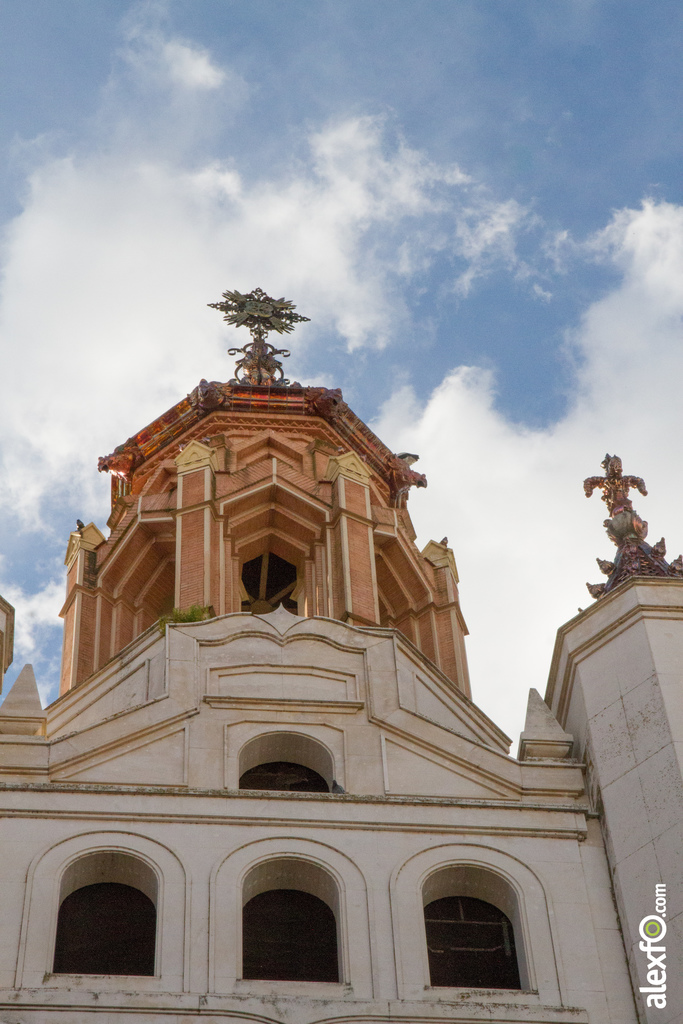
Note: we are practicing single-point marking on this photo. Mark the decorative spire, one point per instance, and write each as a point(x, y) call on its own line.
point(627, 530)
point(261, 314)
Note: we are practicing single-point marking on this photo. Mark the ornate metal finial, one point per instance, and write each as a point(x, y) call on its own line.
point(261, 314)
point(627, 530)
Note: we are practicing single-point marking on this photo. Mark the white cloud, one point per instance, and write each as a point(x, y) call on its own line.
point(166, 99)
point(34, 611)
point(191, 67)
point(108, 269)
point(164, 60)
point(541, 293)
point(36, 620)
point(511, 501)
point(486, 236)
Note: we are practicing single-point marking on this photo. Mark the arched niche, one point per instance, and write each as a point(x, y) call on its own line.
point(107, 919)
point(287, 863)
point(294, 748)
point(94, 858)
point(290, 922)
point(289, 526)
point(469, 908)
point(481, 872)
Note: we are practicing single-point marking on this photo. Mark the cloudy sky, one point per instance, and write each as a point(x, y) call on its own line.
point(478, 203)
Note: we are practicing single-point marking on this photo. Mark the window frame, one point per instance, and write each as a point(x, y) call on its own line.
point(44, 893)
point(305, 876)
point(123, 868)
point(455, 893)
point(417, 881)
point(227, 892)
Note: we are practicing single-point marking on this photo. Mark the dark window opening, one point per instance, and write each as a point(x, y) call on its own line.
point(288, 935)
point(471, 944)
point(269, 581)
point(284, 775)
point(106, 928)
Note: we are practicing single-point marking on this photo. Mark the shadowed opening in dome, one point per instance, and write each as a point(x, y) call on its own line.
point(268, 581)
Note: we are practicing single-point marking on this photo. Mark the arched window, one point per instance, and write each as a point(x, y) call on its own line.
point(286, 761)
point(106, 928)
point(290, 923)
point(107, 917)
point(470, 944)
point(469, 923)
point(289, 935)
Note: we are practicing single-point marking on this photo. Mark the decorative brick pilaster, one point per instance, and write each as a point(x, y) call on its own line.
point(80, 609)
point(6, 637)
point(195, 524)
point(447, 621)
point(353, 570)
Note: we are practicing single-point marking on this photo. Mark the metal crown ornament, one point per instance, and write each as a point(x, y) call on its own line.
point(261, 314)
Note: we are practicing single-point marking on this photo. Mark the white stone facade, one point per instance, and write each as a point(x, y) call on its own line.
point(136, 779)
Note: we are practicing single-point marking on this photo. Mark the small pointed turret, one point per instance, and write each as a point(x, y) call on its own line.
point(543, 735)
point(21, 712)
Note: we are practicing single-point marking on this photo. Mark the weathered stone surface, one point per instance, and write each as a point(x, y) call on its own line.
point(616, 682)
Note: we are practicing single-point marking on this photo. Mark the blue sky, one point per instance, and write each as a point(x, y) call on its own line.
point(477, 203)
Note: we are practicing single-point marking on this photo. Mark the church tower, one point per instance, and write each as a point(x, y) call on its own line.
point(251, 495)
point(265, 792)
